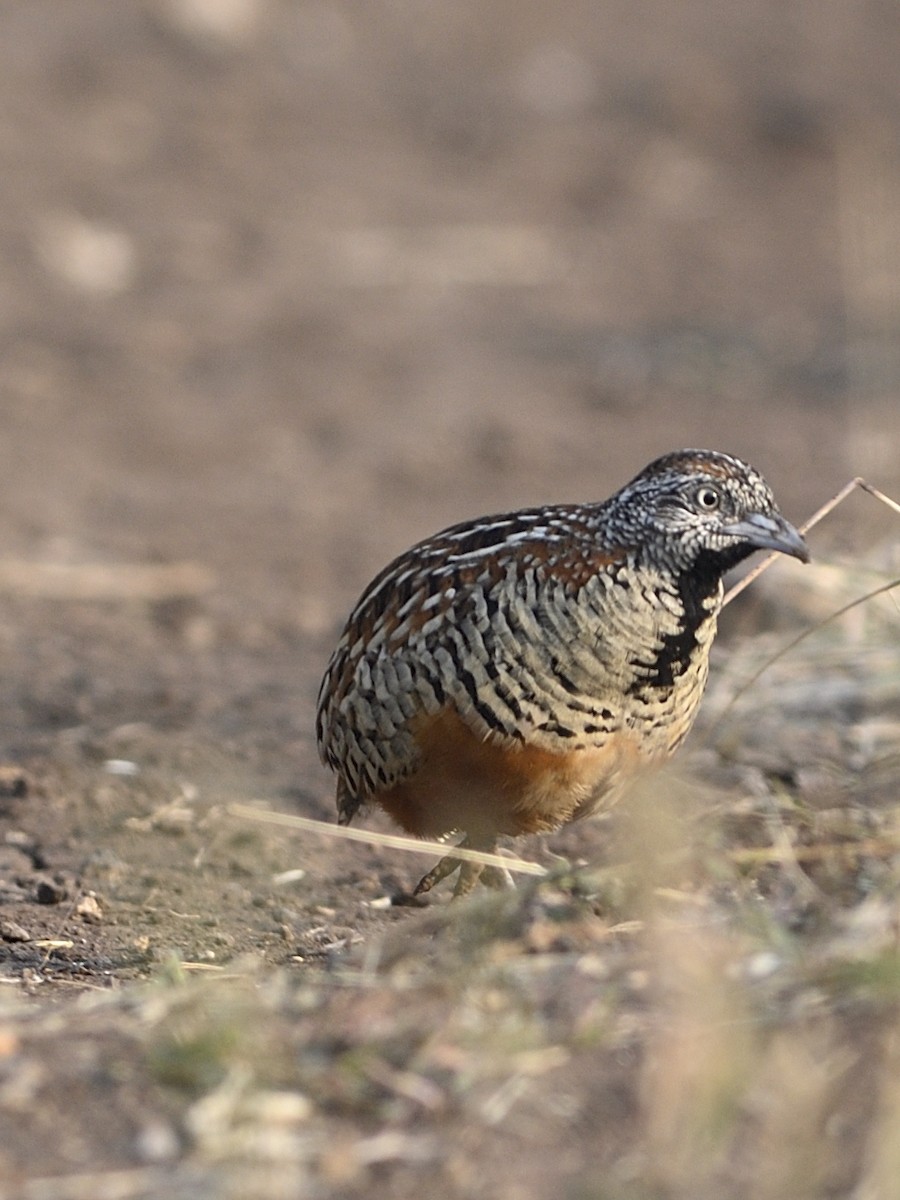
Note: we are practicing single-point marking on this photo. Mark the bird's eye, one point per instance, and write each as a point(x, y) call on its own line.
point(707, 498)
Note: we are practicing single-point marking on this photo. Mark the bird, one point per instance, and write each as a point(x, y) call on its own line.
point(512, 673)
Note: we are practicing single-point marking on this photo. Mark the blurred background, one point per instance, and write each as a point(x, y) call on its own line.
point(286, 284)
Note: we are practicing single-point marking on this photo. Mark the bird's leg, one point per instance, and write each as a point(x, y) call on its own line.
point(470, 873)
point(497, 878)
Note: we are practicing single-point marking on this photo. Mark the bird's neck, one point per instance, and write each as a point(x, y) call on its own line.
point(699, 590)
point(713, 564)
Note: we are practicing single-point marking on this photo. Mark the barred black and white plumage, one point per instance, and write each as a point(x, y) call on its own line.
point(554, 650)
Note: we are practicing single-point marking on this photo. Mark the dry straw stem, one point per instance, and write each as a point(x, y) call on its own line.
point(394, 841)
point(817, 516)
point(700, 1052)
point(828, 507)
point(877, 847)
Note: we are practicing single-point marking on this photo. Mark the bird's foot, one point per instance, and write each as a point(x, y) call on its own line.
point(447, 865)
point(470, 873)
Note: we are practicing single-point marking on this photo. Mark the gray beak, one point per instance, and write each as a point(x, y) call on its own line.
point(769, 533)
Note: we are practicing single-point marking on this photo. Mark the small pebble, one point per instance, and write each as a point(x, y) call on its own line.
point(12, 931)
point(120, 766)
point(13, 781)
point(88, 908)
point(50, 891)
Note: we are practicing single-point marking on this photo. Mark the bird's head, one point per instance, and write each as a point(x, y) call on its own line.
point(697, 507)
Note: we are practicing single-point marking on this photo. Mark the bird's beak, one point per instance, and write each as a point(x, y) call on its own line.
point(770, 533)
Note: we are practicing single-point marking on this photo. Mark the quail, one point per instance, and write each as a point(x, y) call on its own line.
point(509, 674)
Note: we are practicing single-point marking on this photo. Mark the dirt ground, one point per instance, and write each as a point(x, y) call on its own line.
point(283, 287)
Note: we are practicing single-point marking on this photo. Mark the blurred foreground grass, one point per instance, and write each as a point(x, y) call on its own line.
point(710, 1011)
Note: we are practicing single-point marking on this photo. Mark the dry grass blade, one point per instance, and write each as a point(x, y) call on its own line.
point(392, 840)
point(873, 491)
point(828, 507)
point(794, 642)
point(875, 847)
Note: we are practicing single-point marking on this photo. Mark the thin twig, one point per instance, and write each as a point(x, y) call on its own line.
point(817, 516)
point(873, 491)
point(801, 637)
point(827, 507)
